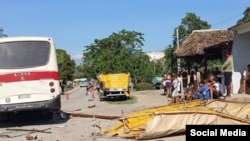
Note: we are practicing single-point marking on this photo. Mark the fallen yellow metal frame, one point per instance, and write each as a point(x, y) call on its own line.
point(171, 119)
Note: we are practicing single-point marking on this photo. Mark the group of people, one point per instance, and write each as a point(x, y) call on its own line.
point(227, 69)
point(172, 86)
point(209, 88)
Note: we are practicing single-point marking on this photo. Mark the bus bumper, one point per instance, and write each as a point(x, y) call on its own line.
point(51, 105)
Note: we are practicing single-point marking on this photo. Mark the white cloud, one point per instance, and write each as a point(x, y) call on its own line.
point(77, 58)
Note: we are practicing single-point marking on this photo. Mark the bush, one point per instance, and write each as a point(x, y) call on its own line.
point(144, 86)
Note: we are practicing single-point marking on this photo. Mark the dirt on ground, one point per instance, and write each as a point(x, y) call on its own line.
point(78, 128)
point(145, 99)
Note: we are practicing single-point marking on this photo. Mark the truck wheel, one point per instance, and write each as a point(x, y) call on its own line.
point(101, 96)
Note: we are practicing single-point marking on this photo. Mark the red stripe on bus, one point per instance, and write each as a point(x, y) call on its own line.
point(28, 76)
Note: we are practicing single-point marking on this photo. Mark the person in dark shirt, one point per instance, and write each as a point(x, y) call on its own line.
point(63, 85)
point(189, 92)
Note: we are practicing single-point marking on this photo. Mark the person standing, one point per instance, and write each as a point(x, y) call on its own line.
point(90, 91)
point(175, 94)
point(180, 86)
point(227, 69)
point(168, 85)
point(179, 79)
point(198, 78)
point(184, 76)
point(246, 80)
point(63, 84)
point(164, 84)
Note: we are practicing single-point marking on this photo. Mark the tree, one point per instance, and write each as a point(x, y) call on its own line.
point(78, 72)
point(170, 60)
point(189, 23)
point(66, 65)
point(120, 52)
point(246, 16)
point(2, 33)
point(159, 67)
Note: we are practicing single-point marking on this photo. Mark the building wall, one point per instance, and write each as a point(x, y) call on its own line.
point(241, 58)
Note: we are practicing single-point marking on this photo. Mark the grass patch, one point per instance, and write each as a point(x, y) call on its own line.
point(130, 100)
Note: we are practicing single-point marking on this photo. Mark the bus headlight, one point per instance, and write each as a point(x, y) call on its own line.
point(7, 100)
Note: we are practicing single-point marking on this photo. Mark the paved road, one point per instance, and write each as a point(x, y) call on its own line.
point(78, 128)
point(82, 129)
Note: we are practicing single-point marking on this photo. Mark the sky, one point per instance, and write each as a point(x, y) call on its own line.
point(74, 24)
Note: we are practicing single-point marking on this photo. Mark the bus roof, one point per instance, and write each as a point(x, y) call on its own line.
point(23, 38)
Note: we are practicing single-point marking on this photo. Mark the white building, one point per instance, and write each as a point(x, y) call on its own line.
point(155, 55)
point(240, 52)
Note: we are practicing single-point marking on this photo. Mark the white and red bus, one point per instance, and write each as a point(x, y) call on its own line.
point(29, 78)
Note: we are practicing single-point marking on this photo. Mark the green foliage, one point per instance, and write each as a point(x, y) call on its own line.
point(120, 52)
point(159, 67)
point(246, 16)
point(144, 86)
point(79, 73)
point(2, 33)
point(214, 65)
point(170, 60)
point(130, 100)
point(66, 65)
point(189, 23)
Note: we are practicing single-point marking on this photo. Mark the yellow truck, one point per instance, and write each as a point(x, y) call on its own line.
point(114, 85)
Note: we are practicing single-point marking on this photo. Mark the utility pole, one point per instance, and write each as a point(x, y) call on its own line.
point(179, 65)
point(178, 59)
point(154, 65)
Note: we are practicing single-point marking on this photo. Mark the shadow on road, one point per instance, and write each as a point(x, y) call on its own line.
point(32, 118)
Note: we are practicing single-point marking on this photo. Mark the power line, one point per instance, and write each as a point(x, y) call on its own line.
point(226, 20)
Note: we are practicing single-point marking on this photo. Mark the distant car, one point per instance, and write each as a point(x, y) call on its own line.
point(157, 82)
point(83, 82)
point(158, 85)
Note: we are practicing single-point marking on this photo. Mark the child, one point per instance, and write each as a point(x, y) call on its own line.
point(168, 85)
point(175, 96)
point(189, 93)
point(216, 89)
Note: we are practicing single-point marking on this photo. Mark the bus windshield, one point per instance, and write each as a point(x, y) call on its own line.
point(24, 54)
